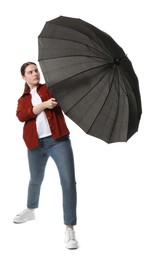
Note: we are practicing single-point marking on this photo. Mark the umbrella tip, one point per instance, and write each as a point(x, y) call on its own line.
point(116, 61)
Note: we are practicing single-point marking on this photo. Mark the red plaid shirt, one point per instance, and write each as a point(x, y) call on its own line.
point(25, 114)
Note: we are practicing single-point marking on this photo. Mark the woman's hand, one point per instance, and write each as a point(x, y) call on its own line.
point(50, 103)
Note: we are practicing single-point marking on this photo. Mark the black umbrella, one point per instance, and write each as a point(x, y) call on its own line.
point(91, 77)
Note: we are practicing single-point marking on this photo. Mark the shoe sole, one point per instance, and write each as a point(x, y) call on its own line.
point(16, 222)
point(72, 248)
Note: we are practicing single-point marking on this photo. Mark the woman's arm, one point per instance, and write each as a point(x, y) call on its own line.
point(26, 111)
point(23, 112)
point(50, 104)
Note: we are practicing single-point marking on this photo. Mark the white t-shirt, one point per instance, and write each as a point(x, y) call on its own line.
point(43, 128)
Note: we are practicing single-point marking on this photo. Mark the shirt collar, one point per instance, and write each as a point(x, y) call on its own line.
point(27, 91)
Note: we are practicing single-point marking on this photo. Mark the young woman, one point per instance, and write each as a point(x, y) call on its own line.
point(46, 135)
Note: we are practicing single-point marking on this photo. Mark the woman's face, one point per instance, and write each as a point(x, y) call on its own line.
point(32, 76)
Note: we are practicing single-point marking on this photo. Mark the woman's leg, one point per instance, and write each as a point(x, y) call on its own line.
point(63, 156)
point(37, 161)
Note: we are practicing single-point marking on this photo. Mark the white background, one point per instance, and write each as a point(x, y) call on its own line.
point(117, 194)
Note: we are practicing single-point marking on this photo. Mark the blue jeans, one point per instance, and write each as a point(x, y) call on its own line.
point(61, 152)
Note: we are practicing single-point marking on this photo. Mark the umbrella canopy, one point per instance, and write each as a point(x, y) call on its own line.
point(91, 77)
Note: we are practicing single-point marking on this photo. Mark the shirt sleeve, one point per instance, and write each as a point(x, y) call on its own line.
point(23, 112)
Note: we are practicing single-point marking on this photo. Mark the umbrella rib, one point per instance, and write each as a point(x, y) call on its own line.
point(87, 26)
point(103, 103)
point(89, 90)
point(116, 113)
point(69, 56)
point(124, 77)
point(79, 43)
point(79, 74)
point(117, 107)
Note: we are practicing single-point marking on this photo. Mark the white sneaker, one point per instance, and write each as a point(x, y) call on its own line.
point(70, 239)
point(25, 215)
